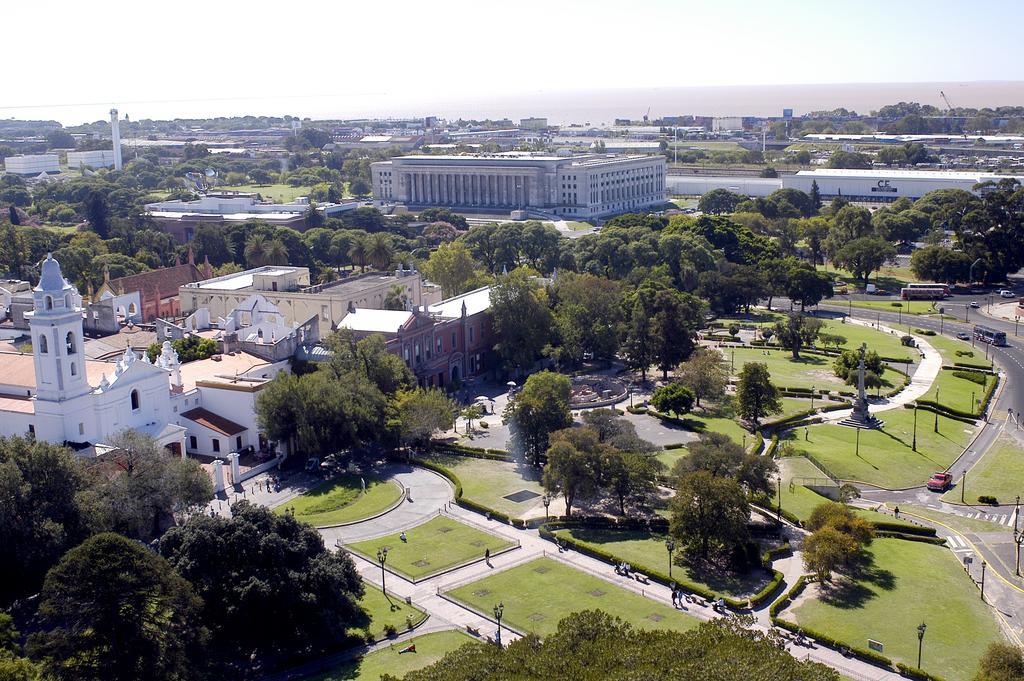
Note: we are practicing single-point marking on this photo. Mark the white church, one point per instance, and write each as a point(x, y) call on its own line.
point(204, 407)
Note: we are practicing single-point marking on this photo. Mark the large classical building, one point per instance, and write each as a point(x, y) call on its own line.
point(580, 187)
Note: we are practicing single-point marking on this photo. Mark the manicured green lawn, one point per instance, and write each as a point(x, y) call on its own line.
point(538, 594)
point(885, 344)
point(648, 550)
point(889, 278)
point(1000, 473)
point(384, 610)
point(278, 193)
point(489, 482)
point(886, 456)
point(341, 500)
point(436, 545)
point(958, 393)
point(810, 371)
point(909, 583)
point(948, 348)
point(912, 308)
point(717, 421)
point(430, 648)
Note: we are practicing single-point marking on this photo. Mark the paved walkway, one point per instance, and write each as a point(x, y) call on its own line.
point(925, 373)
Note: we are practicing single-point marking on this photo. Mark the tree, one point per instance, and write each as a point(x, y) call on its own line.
point(381, 251)
point(709, 514)
point(639, 348)
point(39, 515)
point(573, 460)
point(13, 667)
point(359, 252)
point(520, 318)
point(269, 584)
point(806, 286)
point(359, 187)
point(537, 410)
point(718, 201)
point(815, 231)
point(260, 176)
point(864, 256)
point(849, 159)
point(451, 266)
point(261, 251)
point(797, 331)
point(189, 349)
point(628, 476)
point(673, 398)
point(842, 518)
point(422, 412)
point(827, 549)
point(706, 373)
point(677, 316)
point(113, 610)
point(756, 397)
point(845, 366)
point(815, 191)
point(1001, 662)
point(137, 488)
point(98, 214)
point(722, 456)
point(940, 264)
point(588, 316)
point(594, 646)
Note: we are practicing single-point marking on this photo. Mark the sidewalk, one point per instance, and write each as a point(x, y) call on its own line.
point(925, 373)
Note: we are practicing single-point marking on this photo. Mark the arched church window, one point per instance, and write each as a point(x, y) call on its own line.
point(49, 302)
point(74, 369)
point(135, 400)
point(71, 343)
point(43, 349)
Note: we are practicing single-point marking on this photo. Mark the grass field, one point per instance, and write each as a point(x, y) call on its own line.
point(1000, 473)
point(430, 648)
point(909, 583)
point(912, 308)
point(538, 594)
point(958, 393)
point(648, 551)
point(885, 344)
point(489, 482)
point(948, 347)
point(888, 278)
point(810, 371)
point(384, 610)
point(278, 193)
point(341, 500)
point(886, 455)
point(952, 520)
point(434, 546)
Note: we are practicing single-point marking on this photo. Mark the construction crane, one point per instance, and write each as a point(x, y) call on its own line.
point(949, 110)
point(647, 115)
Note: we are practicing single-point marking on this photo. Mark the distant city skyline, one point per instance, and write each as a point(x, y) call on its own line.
point(353, 60)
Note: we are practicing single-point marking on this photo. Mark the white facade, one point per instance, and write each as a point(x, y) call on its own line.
point(242, 208)
point(99, 158)
point(885, 185)
point(60, 396)
point(697, 185)
point(32, 164)
point(726, 123)
point(583, 187)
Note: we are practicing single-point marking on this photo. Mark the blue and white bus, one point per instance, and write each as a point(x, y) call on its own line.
point(987, 335)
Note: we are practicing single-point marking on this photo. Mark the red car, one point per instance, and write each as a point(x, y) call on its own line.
point(940, 482)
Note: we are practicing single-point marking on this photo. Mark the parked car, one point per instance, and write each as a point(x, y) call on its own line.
point(940, 482)
point(1006, 293)
point(974, 304)
point(963, 335)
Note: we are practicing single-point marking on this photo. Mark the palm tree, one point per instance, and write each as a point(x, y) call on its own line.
point(358, 252)
point(395, 298)
point(255, 250)
point(381, 252)
point(276, 252)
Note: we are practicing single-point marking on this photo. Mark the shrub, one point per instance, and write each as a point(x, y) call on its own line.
point(965, 353)
point(973, 376)
point(734, 329)
point(988, 499)
point(896, 304)
point(390, 630)
point(484, 425)
point(924, 332)
point(907, 341)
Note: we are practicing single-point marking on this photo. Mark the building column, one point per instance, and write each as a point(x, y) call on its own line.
point(218, 476)
point(236, 472)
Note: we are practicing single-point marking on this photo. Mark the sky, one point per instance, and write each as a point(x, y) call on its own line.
point(190, 57)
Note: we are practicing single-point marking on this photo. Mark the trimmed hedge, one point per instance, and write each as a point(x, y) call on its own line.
point(794, 591)
point(985, 368)
point(547, 531)
point(637, 410)
point(908, 536)
point(933, 408)
point(887, 526)
point(915, 673)
point(972, 376)
point(464, 450)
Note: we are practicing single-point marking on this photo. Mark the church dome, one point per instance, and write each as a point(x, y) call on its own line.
point(51, 279)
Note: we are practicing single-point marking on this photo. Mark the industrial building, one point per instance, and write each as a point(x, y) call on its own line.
point(99, 158)
point(885, 185)
point(582, 187)
point(32, 164)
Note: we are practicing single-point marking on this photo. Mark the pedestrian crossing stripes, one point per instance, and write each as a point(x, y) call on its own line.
point(955, 542)
point(1001, 519)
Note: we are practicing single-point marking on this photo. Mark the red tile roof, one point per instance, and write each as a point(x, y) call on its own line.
point(215, 422)
point(166, 280)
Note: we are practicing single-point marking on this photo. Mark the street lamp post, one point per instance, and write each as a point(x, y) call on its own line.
point(499, 609)
point(812, 398)
point(936, 411)
point(963, 485)
point(732, 365)
point(779, 482)
point(546, 500)
point(983, 566)
point(920, 641)
point(382, 557)
point(671, 546)
point(857, 452)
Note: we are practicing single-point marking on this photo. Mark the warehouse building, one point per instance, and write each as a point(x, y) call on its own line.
point(97, 158)
point(581, 187)
point(885, 185)
point(32, 164)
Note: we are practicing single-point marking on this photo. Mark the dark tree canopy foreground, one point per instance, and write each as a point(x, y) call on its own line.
point(594, 646)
